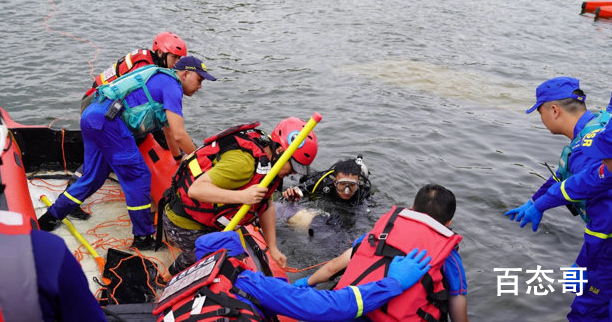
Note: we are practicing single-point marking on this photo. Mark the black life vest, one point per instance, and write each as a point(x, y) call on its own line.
point(206, 292)
point(397, 233)
point(244, 137)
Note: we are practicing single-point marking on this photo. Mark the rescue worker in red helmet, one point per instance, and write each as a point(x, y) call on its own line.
point(167, 49)
point(213, 183)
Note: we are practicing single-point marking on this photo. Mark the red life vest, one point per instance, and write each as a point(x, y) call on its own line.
point(206, 292)
point(244, 137)
point(397, 233)
point(129, 62)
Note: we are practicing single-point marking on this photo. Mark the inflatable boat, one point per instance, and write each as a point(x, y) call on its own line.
point(55, 154)
point(601, 9)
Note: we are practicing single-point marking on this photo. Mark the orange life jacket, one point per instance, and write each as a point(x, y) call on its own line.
point(206, 292)
point(244, 137)
point(397, 233)
point(137, 58)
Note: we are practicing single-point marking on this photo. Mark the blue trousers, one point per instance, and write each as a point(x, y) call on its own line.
point(110, 146)
point(594, 304)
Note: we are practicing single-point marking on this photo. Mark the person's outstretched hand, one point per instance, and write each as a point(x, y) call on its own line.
point(519, 212)
point(533, 216)
point(409, 269)
point(278, 257)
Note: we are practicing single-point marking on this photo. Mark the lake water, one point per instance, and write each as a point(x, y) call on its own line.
point(426, 91)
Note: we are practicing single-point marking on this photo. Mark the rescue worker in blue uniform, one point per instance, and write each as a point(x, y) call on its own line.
point(152, 98)
point(41, 280)
point(581, 182)
point(274, 296)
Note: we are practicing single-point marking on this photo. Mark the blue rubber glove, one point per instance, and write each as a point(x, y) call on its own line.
point(533, 216)
point(303, 282)
point(520, 211)
point(409, 269)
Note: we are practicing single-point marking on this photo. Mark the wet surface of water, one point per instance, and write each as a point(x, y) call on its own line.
point(426, 91)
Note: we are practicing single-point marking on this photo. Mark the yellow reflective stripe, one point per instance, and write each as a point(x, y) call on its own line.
point(75, 200)
point(242, 238)
point(194, 167)
point(104, 82)
point(598, 235)
point(565, 193)
point(139, 207)
point(128, 61)
point(358, 299)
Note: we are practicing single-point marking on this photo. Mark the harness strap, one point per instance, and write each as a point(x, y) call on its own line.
point(432, 296)
point(369, 270)
point(230, 307)
point(259, 253)
point(437, 299)
point(382, 238)
point(426, 316)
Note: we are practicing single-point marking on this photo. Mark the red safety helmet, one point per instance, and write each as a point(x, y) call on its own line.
point(286, 131)
point(169, 42)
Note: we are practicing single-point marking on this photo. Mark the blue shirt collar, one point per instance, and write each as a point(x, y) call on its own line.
point(582, 121)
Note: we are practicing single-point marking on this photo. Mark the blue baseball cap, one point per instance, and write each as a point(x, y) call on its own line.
point(212, 242)
point(195, 65)
point(556, 89)
point(600, 146)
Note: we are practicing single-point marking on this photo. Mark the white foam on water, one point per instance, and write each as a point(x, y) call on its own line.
point(444, 81)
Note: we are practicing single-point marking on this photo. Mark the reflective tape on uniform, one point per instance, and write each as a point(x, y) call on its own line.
point(358, 299)
point(598, 235)
point(128, 61)
point(195, 168)
point(565, 195)
point(139, 207)
point(75, 200)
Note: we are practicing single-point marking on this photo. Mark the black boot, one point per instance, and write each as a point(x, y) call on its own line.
point(143, 242)
point(79, 213)
point(47, 222)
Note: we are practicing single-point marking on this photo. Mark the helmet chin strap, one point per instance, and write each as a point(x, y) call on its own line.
point(161, 61)
point(164, 60)
point(275, 156)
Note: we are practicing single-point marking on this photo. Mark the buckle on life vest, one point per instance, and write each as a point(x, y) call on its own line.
point(383, 236)
point(223, 221)
point(371, 240)
point(226, 311)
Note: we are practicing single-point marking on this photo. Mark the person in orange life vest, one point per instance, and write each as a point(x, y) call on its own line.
point(439, 203)
point(110, 145)
point(239, 293)
point(230, 169)
point(167, 49)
